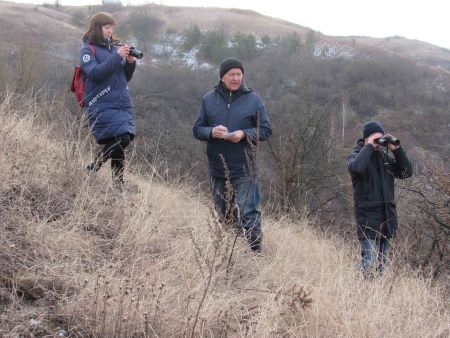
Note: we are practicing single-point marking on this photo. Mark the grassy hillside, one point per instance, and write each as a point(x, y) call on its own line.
point(38, 24)
point(419, 51)
point(55, 26)
point(233, 20)
point(154, 260)
point(307, 85)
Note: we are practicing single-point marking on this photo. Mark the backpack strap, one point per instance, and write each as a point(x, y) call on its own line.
point(92, 48)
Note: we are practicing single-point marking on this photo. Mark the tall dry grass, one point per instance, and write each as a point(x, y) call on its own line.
point(78, 258)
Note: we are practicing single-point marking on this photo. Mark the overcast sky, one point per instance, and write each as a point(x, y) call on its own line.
point(426, 20)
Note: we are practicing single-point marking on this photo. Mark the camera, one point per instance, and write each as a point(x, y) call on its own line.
point(136, 53)
point(133, 51)
point(387, 139)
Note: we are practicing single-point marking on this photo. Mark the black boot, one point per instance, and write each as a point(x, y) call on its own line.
point(254, 238)
point(93, 167)
point(118, 182)
point(117, 168)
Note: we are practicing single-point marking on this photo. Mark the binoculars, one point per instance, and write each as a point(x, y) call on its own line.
point(387, 139)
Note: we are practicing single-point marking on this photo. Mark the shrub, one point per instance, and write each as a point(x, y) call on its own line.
point(192, 37)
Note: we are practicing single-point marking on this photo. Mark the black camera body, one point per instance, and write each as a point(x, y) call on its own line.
point(136, 53)
point(387, 139)
point(133, 51)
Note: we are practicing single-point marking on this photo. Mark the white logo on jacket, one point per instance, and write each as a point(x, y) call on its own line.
point(86, 58)
point(100, 95)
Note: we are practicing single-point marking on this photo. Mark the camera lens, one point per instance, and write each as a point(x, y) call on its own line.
point(136, 53)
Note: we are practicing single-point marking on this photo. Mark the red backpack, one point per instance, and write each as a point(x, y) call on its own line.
point(78, 80)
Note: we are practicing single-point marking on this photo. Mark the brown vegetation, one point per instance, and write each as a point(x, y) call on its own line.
point(425, 205)
point(154, 261)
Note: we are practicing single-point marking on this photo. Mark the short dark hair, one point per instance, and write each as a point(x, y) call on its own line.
point(94, 34)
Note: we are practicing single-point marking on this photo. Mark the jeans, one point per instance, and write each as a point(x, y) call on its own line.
point(370, 258)
point(240, 203)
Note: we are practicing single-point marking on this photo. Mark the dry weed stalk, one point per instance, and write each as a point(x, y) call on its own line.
point(230, 208)
point(217, 231)
point(233, 214)
point(295, 298)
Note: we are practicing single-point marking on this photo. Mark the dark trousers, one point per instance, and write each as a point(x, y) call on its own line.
point(114, 149)
point(238, 201)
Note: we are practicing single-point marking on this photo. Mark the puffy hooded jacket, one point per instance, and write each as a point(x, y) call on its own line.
point(373, 174)
point(240, 110)
point(106, 97)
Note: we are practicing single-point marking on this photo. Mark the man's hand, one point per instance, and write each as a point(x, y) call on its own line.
point(236, 136)
point(392, 147)
point(220, 132)
point(371, 139)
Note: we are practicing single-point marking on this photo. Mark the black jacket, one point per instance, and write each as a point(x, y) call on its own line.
point(240, 110)
point(373, 174)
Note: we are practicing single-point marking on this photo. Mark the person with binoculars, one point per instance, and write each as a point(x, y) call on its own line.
point(373, 170)
point(108, 66)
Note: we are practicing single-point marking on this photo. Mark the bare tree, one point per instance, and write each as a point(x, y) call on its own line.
point(425, 230)
point(302, 153)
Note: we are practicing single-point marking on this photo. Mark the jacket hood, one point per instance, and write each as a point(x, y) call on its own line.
point(358, 145)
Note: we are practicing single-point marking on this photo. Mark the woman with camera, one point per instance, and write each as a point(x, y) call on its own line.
point(107, 68)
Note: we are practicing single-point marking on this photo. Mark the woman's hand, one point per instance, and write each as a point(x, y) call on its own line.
point(123, 51)
point(131, 59)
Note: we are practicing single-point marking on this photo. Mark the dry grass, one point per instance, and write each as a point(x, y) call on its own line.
point(154, 261)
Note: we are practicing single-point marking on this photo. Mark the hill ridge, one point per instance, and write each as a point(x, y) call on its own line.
point(247, 21)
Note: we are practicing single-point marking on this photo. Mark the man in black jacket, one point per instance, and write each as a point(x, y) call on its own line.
point(232, 120)
point(373, 171)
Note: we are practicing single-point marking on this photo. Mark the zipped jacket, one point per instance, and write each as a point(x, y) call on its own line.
point(373, 173)
point(106, 96)
point(240, 110)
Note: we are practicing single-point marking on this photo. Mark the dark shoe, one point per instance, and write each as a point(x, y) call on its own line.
point(118, 184)
point(254, 238)
point(92, 167)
